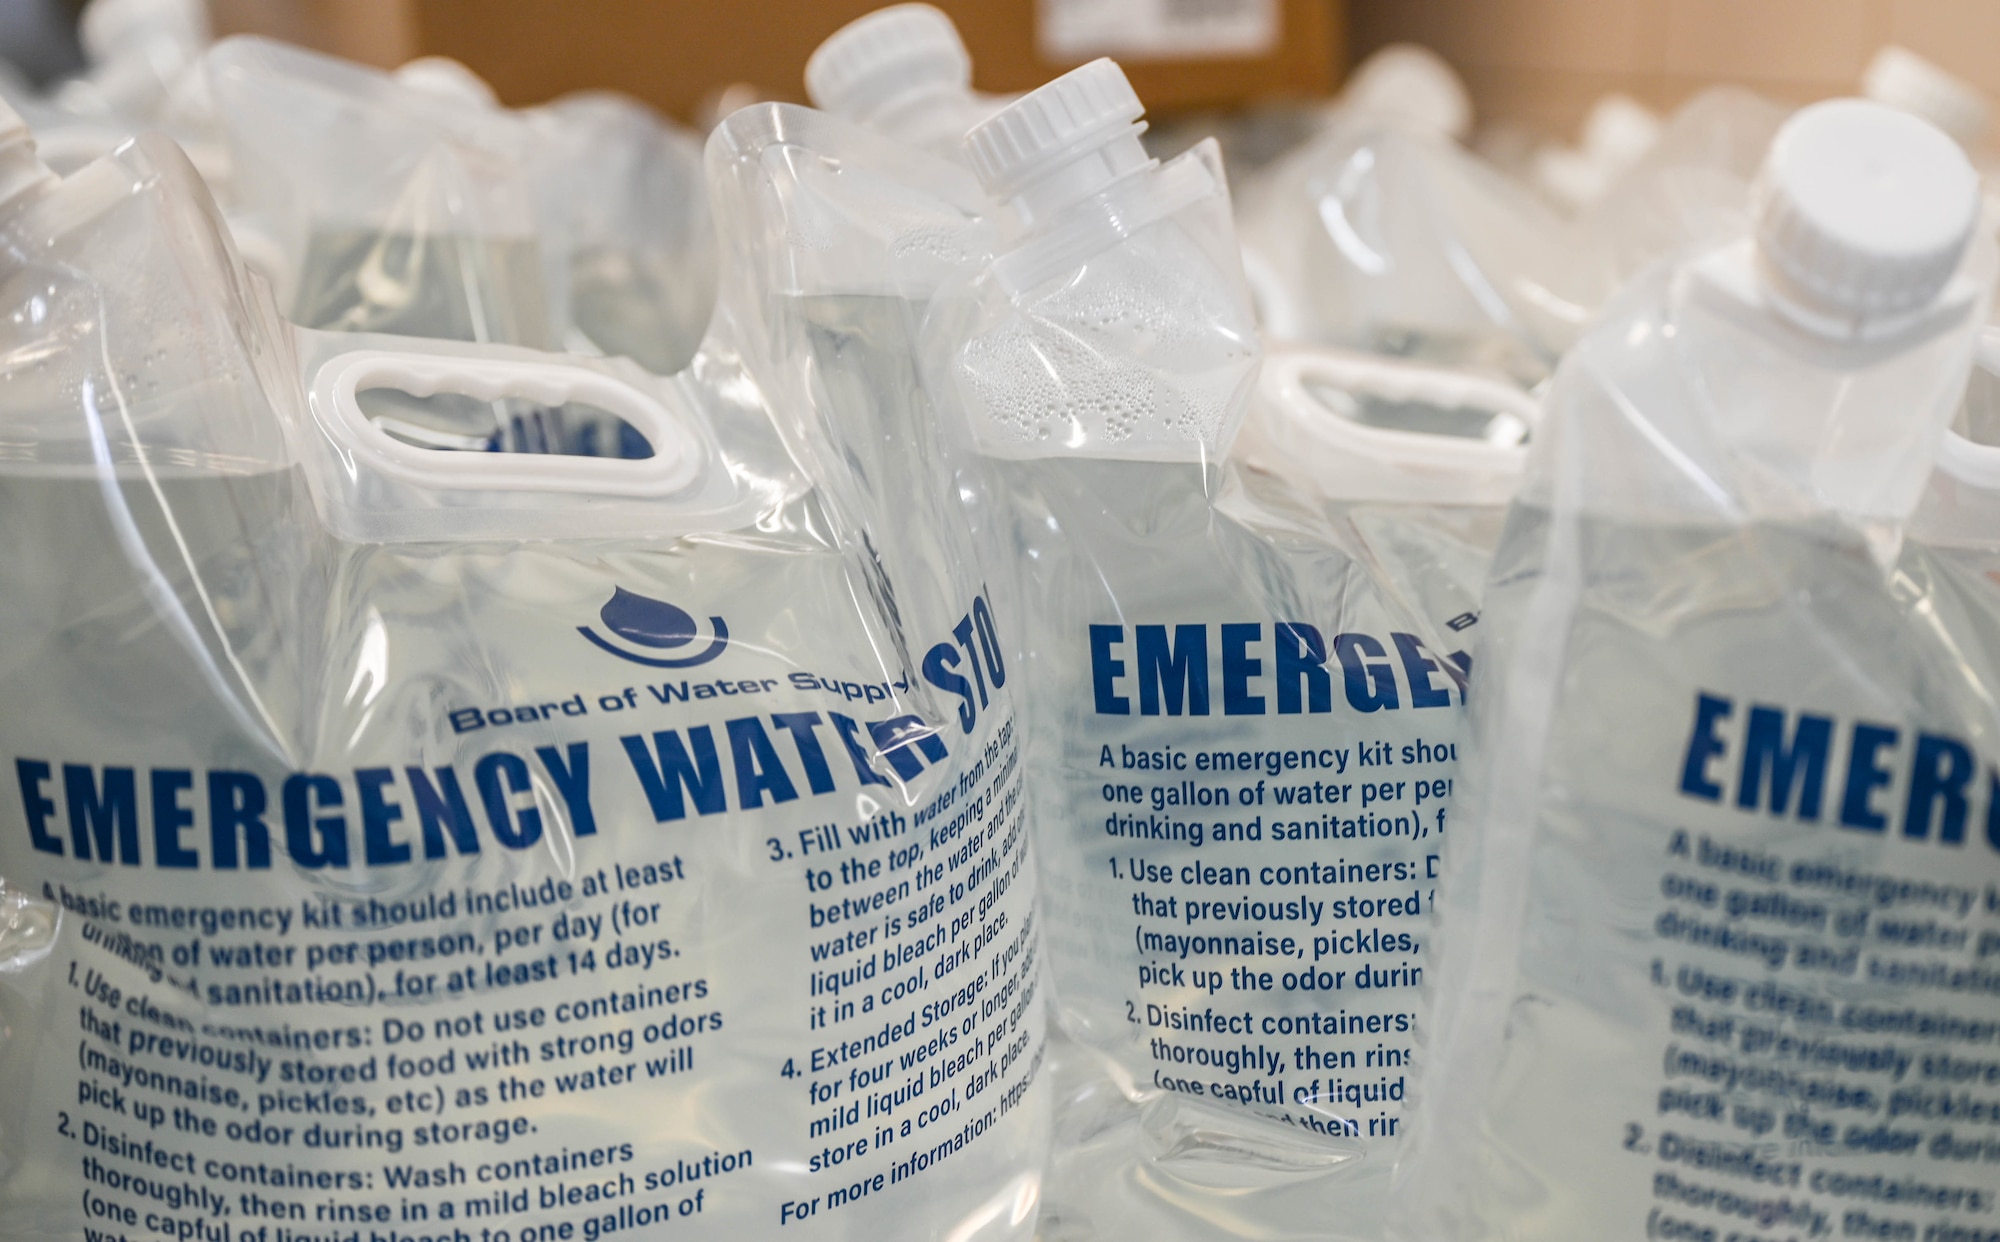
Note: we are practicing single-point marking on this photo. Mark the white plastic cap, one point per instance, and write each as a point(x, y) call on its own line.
point(108, 27)
point(1569, 176)
point(1411, 85)
point(447, 79)
point(893, 52)
point(1902, 79)
point(1618, 130)
point(1862, 211)
point(1617, 133)
point(1046, 128)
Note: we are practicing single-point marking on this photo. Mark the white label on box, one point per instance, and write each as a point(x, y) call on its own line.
point(1072, 30)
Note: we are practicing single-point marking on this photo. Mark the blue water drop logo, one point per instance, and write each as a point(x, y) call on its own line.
point(654, 623)
point(648, 622)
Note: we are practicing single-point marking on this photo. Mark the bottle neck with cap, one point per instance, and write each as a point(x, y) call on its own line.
point(1083, 172)
point(1824, 412)
point(1827, 350)
point(1751, 284)
point(1826, 424)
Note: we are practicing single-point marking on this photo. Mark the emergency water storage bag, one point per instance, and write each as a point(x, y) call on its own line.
point(447, 844)
point(1718, 914)
point(858, 235)
point(1244, 672)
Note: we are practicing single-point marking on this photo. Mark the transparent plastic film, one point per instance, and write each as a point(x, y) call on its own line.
point(1248, 707)
point(1121, 333)
point(415, 204)
point(853, 237)
point(374, 204)
point(397, 209)
point(108, 466)
point(1243, 683)
point(834, 307)
point(1692, 188)
point(1711, 923)
point(1379, 238)
point(416, 841)
point(639, 267)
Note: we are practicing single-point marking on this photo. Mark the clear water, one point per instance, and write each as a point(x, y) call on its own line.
point(106, 667)
point(635, 304)
point(891, 450)
point(444, 286)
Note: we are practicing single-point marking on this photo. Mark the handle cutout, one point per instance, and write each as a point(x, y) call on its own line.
point(505, 424)
point(453, 422)
point(1419, 416)
point(1395, 411)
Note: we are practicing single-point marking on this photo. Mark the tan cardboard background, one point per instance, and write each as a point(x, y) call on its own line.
point(1539, 62)
point(1542, 62)
point(677, 54)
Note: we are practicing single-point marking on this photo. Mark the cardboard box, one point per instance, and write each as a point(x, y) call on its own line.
point(375, 32)
point(1542, 62)
point(681, 54)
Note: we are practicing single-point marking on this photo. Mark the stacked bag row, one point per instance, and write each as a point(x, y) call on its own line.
point(920, 671)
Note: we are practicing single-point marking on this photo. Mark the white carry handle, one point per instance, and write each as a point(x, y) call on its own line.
point(677, 451)
point(1280, 320)
point(1287, 374)
point(1969, 460)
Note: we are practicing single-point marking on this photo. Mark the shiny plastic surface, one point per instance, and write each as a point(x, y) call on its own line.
point(623, 190)
point(1712, 916)
point(1381, 238)
point(1691, 190)
point(1224, 656)
point(406, 849)
point(397, 209)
